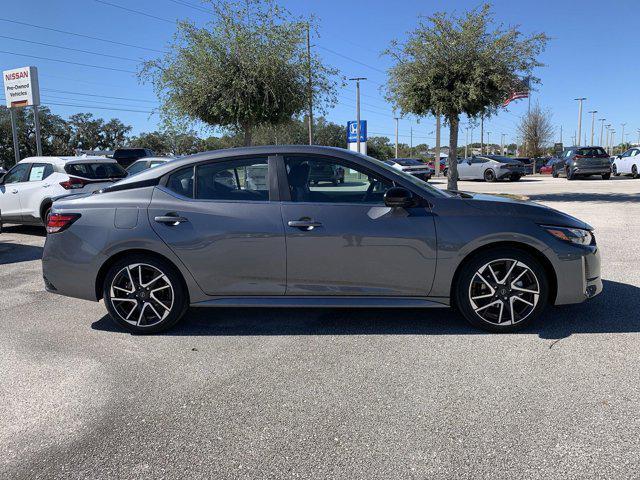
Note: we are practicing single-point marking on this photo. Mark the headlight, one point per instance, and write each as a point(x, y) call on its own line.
point(573, 235)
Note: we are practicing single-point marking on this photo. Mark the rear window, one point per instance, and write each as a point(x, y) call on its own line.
point(405, 162)
point(130, 153)
point(591, 152)
point(95, 171)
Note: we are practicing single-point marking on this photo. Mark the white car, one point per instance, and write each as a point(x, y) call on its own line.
point(412, 166)
point(628, 163)
point(29, 188)
point(490, 168)
point(146, 163)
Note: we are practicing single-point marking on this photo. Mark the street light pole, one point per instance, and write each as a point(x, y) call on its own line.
point(622, 139)
point(397, 120)
point(436, 157)
point(593, 123)
point(357, 80)
point(502, 143)
point(601, 129)
point(488, 143)
point(579, 133)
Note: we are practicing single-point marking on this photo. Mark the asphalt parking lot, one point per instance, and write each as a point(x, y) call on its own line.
point(329, 393)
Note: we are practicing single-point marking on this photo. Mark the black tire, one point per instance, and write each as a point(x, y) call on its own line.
point(467, 275)
point(554, 173)
point(614, 170)
point(179, 303)
point(45, 215)
point(606, 176)
point(634, 171)
point(515, 178)
point(570, 174)
point(489, 175)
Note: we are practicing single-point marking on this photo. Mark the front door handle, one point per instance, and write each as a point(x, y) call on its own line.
point(171, 219)
point(304, 224)
point(15, 190)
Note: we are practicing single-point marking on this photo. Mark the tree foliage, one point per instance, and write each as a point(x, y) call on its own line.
point(247, 68)
point(455, 65)
point(535, 132)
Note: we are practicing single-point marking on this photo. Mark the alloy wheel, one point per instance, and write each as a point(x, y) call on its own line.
point(141, 294)
point(504, 292)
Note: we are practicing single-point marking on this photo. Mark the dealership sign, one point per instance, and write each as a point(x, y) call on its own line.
point(21, 87)
point(352, 131)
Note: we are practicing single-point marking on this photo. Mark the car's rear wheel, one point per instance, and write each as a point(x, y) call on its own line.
point(501, 290)
point(570, 174)
point(515, 178)
point(606, 176)
point(144, 294)
point(489, 175)
point(634, 171)
point(614, 170)
point(554, 173)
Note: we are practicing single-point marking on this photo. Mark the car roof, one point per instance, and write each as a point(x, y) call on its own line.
point(64, 160)
point(231, 153)
point(154, 159)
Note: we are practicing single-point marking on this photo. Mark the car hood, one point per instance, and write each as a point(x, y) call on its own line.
point(540, 214)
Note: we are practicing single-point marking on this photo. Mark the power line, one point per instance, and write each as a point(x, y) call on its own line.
point(135, 11)
point(98, 107)
point(67, 61)
point(349, 58)
point(95, 95)
point(187, 4)
point(69, 48)
point(47, 97)
point(81, 35)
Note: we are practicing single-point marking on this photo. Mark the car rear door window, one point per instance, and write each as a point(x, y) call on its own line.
point(320, 180)
point(242, 180)
point(40, 171)
point(181, 182)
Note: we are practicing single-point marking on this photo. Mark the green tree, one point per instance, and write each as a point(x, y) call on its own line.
point(380, 148)
point(535, 131)
point(114, 134)
point(455, 65)
point(246, 68)
point(86, 131)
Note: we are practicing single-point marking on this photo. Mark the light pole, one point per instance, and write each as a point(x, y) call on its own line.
point(502, 143)
point(436, 157)
point(579, 134)
point(613, 139)
point(488, 143)
point(397, 120)
point(601, 129)
point(622, 139)
point(593, 123)
point(608, 146)
point(357, 80)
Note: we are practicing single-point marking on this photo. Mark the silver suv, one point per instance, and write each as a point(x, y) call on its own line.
point(248, 228)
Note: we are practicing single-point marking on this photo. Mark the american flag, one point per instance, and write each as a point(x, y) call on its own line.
point(515, 96)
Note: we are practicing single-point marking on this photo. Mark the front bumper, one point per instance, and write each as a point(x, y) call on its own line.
point(578, 274)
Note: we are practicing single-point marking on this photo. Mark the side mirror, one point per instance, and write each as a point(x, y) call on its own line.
point(398, 197)
point(2, 178)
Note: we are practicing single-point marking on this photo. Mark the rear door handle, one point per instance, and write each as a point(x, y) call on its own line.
point(304, 224)
point(171, 219)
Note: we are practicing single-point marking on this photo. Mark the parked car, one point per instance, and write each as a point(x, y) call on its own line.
point(171, 236)
point(326, 173)
point(146, 163)
point(490, 168)
point(126, 156)
point(583, 162)
point(627, 163)
point(547, 168)
point(413, 166)
point(444, 166)
point(28, 189)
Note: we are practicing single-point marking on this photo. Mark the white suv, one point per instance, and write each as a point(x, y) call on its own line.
point(29, 188)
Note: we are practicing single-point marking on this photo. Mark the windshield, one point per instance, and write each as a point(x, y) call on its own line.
point(95, 171)
point(436, 192)
point(408, 161)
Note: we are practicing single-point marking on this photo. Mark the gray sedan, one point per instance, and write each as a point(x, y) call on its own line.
point(247, 228)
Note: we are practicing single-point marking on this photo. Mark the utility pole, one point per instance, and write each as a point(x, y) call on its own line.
point(613, 139)
point(466, 145)
point(560, 133)
point(601, 129)
point(608, 137)
point(411, 141)
point(436, 157)
point(397, 120)
point(482, 135)
point(593, 124)
point(357, 80)
point(502, 143)
point(639, 137)
point(488, 143)
point(579, 134)
point(311, 89)
point(623, 124)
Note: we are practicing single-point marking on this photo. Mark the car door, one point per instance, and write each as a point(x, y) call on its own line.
point(12, 184)
point(464, 168)
point(220, 219)
point(633, 160)
point(35, 189)
point(343, 240)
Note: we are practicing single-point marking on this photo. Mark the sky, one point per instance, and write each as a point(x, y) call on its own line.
point(592, 53)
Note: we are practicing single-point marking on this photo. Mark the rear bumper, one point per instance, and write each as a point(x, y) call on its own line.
point(592, 170)
point(510, 173)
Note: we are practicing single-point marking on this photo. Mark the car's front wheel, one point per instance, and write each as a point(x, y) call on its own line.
point(501, 290)
point(144, 294)
point(614, 170)
point(489, 175)
point(634, 171)
point(606, 176)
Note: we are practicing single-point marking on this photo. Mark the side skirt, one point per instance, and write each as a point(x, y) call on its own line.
point(324, 302)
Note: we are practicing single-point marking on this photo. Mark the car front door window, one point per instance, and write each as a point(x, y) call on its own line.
point(16, 174)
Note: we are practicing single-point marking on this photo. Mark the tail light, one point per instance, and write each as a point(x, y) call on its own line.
point(58, 222)
point(73, 183)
